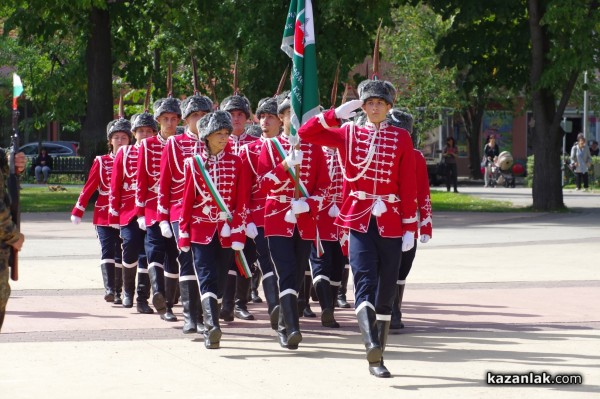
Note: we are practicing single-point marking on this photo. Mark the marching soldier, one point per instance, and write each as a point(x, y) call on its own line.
point(123, 212)
point(161, 251)
point(238, 286)
point(118, 133)
point(215, 197)
point(170, 199)
point(270, 127)
point(405, 121)
point(380, 210)
point(290, 211)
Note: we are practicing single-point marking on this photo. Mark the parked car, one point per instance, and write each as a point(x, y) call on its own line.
point(55, 148)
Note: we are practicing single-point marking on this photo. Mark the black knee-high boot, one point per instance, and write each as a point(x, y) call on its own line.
point(254, 284)
point(157, 280)
point(171, 285)
point(118, 284)
point(242, 288)
point(341, 296)
point(367, 322)
point(212, 330)
point(289, 307)
point(129, 286)
point(108, 278)
point(378, 369)
point(228, 297)
point(396, 322)
point(190, 299)
point(323, 289)
point(143, 294)
point(304, 297)
point(271, 290)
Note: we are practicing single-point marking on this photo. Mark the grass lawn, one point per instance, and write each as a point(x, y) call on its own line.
point(40, 199)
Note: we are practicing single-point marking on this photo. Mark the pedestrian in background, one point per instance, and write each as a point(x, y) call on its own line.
point(450, 154)
point(581, 160)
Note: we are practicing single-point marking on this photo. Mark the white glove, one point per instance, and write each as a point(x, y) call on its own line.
point(75, 219)
point(165, 229)
point(251, 230)
point(346, 110)
point(293, 158)
point(185, 249)
point(299, 207)
point(408, 241)
point(424, 238)
point(115, 226)
point(237, 246)
point(142, 222)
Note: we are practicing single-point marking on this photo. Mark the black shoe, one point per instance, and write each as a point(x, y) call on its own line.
point(212, 338)
point(109, 296)
point(307, 312)
point(341, 302)
point(379, 370)
point(242, 313)
point(159, 303)
point(168, 315)
point(127, 301)
point(254, 297)
point(118, 300)
point(328, 320)
point(226, 315)
point(142, 307)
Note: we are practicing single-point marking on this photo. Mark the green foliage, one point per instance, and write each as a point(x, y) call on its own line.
point(442, 201)
point(41, 199)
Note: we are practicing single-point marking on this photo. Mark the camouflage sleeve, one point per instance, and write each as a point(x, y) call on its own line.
point(9, 233)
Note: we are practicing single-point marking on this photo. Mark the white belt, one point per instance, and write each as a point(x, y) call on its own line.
point(362, 195)
point(280, 198)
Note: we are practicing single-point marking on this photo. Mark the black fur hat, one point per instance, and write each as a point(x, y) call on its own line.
point(164, 105)
point(254, 130)
point(141, 120)
point(267, 105)
point(213, 122)
point(284, 101)
point(378, 89)
point(400, 119)
point(194, 104)
point(239, 102)
point(118, 125)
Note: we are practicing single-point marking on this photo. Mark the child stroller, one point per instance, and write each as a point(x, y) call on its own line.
point(502, 173)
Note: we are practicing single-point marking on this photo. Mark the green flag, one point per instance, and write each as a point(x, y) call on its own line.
point(299, 44)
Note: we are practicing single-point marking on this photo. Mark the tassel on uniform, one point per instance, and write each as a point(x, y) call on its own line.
point(290, 217)
point(379, 208)
point(334, 211)
point(226, 230)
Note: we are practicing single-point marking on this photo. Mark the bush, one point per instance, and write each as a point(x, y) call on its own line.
point(594, 173)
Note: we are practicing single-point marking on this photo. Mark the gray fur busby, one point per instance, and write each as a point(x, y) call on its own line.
point(143, 120)
point(284, 101)
point(401, 119)
point(238, 102)
point(194, 104)
point(267, 105)
point(254, 130)
point(118, 125)
point(378, 89)
point(214, 122)
point(165, 105)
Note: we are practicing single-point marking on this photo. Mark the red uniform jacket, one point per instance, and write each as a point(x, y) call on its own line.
point(278, 186)
point(200, 215)
point(122, 186)
point(148, 172)
point(379, 169)
point(256, 206)
point(332, 201)
point(170, 192)
point(236, 143)
point(98, 179)
point(423, 196)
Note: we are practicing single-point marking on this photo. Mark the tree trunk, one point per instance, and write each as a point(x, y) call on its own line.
point(547, 184)
point(99, 90)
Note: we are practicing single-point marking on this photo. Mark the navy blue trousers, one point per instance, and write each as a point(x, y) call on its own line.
point(375, 263)
point(110, 244)
point(133, 245)
point(263, 253)
point(212, 262)
point(161, 251)
point(330, 265)
point(406, 263)
point(185, 259)
point(290, 257)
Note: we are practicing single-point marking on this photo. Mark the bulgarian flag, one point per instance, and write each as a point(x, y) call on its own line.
point(299, 44)
point(17, 89)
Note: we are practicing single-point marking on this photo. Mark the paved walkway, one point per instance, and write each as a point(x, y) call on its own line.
point(511, 292)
